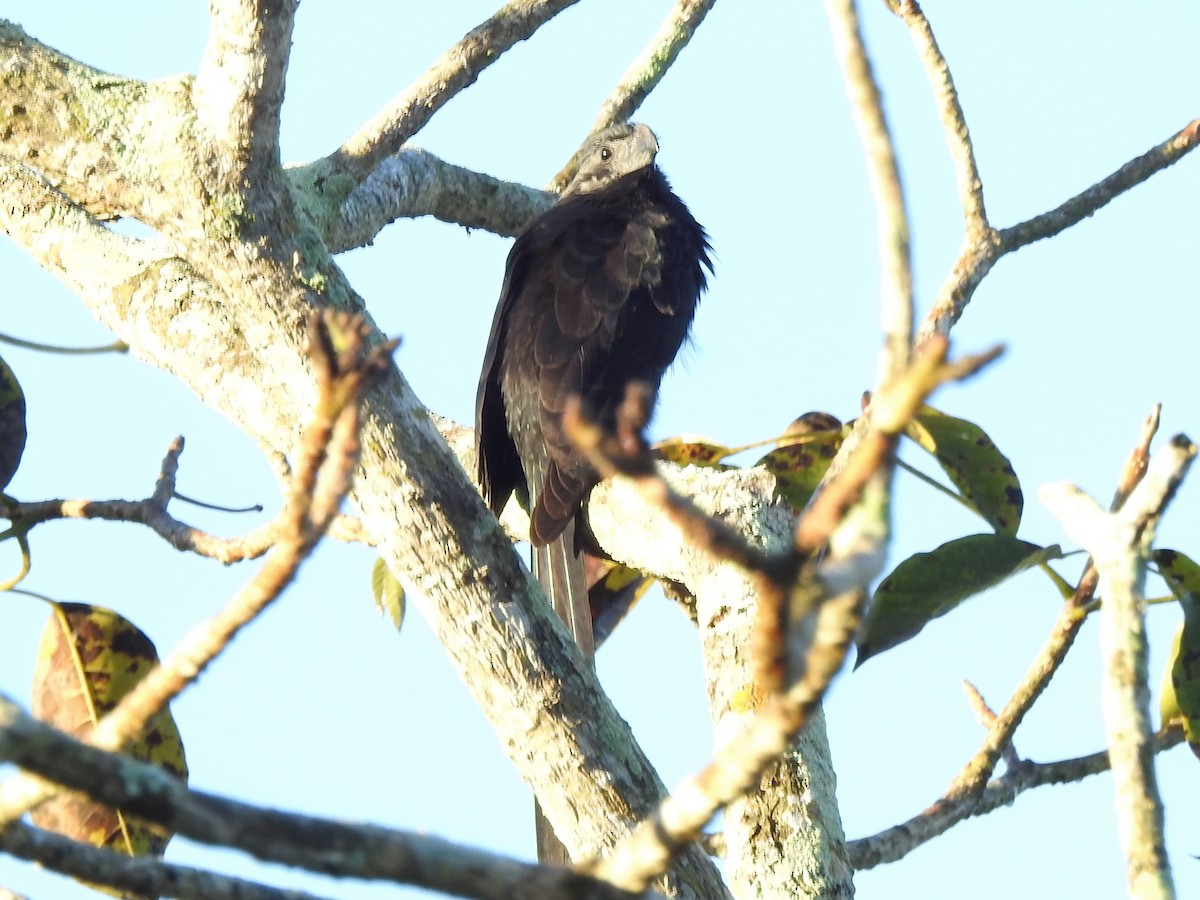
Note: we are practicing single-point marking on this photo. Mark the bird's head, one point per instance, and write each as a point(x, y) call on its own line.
point(611, 154)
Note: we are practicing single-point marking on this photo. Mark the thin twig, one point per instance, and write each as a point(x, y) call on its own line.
point(1104, 191)
point(898, 841)
point(954, 122)
point(151, 512)
point(114, 347)
point(144, 876)
point(978, 256)
point(645, 72)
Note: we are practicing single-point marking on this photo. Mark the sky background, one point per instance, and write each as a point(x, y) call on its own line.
point(320, 706)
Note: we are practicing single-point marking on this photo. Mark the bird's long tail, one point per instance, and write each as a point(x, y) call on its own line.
point(560, 573)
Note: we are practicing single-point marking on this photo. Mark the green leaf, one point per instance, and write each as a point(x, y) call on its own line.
point(388, 594)
point(88, 660)
point(12, 424)
point(1180, 700)
point(1181, 574)
point(928, 585)
point(982, 474)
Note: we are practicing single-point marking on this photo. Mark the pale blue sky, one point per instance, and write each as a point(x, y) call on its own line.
point(320, 707)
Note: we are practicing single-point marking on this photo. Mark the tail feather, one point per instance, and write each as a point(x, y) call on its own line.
point(559, 570)
point(560, 573)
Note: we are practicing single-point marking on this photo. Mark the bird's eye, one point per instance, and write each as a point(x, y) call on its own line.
point(605, 153)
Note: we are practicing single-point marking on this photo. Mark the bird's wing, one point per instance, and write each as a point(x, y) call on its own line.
point(595, 270)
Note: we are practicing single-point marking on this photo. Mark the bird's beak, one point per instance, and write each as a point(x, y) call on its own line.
point(645, 140)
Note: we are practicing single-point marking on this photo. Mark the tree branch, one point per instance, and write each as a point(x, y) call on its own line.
point(1104, 191)
point(72, 150)
point(408, 184)
point(645, 72)
point(954, 122)
point(979, 254)
point(455, 70)
point(238, 92)
point(1119, 543)
point(143, 876)
point(152, 512)
point(883, 174)
point(898, 841)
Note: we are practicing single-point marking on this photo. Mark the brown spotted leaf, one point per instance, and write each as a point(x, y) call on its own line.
point(12, 424)
point(690, 450)
point(982, 474)
point(928, 585)
point(90, 658)
point(800, 460)
point(388, 594)
point(1180, 700)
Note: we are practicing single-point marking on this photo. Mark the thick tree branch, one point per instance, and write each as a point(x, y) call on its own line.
point(824, 599)
point(455, 70)
point(64, 118)
point(238, 93)
point(408, 184)
point(292, 839)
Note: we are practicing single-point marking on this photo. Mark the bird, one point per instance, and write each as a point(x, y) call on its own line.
point(599, 291)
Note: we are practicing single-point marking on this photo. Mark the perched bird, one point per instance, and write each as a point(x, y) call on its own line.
point(598, 291)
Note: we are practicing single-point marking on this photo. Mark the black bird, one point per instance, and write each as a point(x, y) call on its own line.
point(598, 291)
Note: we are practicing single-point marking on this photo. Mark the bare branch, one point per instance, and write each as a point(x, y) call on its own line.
point(152, 512)
point(954, 123)
point(896, 842)
point(238, 91)
point(1104, 191)
point(144, 876)
point(1119, 544)
point(455, 70)
point(407, 184)
point(979, 254)
point(883, 174)
point(645, 72)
